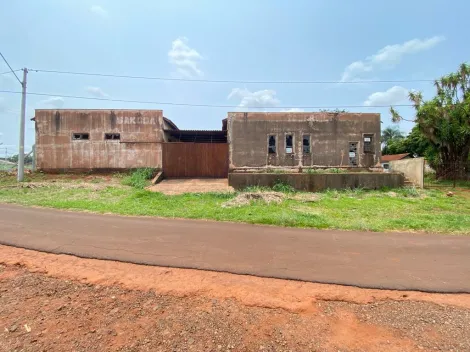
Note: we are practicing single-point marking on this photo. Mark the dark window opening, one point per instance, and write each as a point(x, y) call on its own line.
point(352, 153)
point(368, 143)
point(289, 144)
point(112, 136)
point(272, 145)
point(306, 144)
point(81, 136)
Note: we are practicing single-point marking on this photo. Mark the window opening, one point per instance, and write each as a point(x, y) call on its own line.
point(306, 144)
point(80, 136)
point(289, 144)
point(352, 153)
point(112, 136)
point(368, 143)
point(272, 145)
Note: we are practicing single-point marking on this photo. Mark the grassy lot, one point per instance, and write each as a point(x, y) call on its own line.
point(388, 210)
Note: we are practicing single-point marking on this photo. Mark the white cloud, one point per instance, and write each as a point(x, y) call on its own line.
point(392, 96)
point(389, 56)
point(292, 110)
point(99, 11)
point(260, 98)
point(185, 59)
point(57, 102)
point(97, 92)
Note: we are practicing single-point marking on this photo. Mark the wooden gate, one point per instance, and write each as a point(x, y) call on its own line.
point(195, 160)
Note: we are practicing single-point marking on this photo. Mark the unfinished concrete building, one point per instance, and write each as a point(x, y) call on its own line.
point(303, 140)
point(99, 139)
point(79, 140)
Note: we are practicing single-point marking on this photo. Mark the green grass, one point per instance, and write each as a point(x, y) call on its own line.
point(405, 209)
point(139, 178)
point(431, 181)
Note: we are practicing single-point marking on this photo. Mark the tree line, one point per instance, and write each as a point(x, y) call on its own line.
point(28, 159)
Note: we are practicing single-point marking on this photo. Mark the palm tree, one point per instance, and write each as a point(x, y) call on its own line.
point(391, 133)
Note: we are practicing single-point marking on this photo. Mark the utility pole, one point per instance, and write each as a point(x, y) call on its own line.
point(22, 127)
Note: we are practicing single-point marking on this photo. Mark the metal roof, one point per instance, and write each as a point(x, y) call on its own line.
point(392, 157)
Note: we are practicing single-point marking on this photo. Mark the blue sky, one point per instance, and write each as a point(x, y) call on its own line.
point(247, 40)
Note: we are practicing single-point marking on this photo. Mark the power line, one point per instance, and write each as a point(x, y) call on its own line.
point(3, 57)
point(203, 105)
point(4, 73)
point(227, 81)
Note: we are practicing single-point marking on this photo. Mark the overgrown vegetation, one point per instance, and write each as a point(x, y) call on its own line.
point(280, 186)
point(406, 209)
point(414, 143)
point(139, 178)
point(443, 123)
point(333, 170)
point(28, 159)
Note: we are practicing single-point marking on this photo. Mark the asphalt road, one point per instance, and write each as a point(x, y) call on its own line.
point(404, 261)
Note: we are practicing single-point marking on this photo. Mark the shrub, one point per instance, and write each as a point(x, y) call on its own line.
point(314, 171)
point(335, 170)
point(280, 186)
point(409, 192)
point(139, 178)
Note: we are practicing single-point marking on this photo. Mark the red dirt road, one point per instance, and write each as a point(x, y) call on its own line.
point(63, 303)
point(434, 263)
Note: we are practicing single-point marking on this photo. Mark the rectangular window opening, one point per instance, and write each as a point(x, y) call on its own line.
point(112, 136)
point(352, 153)
point(272, 145)
point(289, 144)
point(369, 143)
point(306, 144)
point(81, 136)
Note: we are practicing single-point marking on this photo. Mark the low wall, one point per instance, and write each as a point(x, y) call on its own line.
point(413, 169)
point(318, 182)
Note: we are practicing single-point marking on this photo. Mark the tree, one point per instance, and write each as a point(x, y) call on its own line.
point(391, 133)
point(395, 146)
point(28, 159)
point(417, 145)
point(444, 121)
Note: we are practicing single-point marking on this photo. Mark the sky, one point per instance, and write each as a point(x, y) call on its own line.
point(246, 40)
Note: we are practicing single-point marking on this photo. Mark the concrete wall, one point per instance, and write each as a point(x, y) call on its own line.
point(141, 133)
point(330, 134)
point(412, 168)
point(318, 182)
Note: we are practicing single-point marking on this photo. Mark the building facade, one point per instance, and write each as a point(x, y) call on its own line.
point(99, 139)
point(78, 140)
point(283, 139)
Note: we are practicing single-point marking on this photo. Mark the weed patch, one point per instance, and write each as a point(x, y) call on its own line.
point(406, 209)
point(139, 178)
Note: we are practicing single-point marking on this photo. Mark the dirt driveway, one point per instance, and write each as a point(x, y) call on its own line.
point(192, 185)
point(63, 303)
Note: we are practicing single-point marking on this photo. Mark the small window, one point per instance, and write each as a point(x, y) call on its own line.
point(289, 144)
point(112, 136)
point(81, 136)
point(369, 143)
point(306, 144)
point(272, 145)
